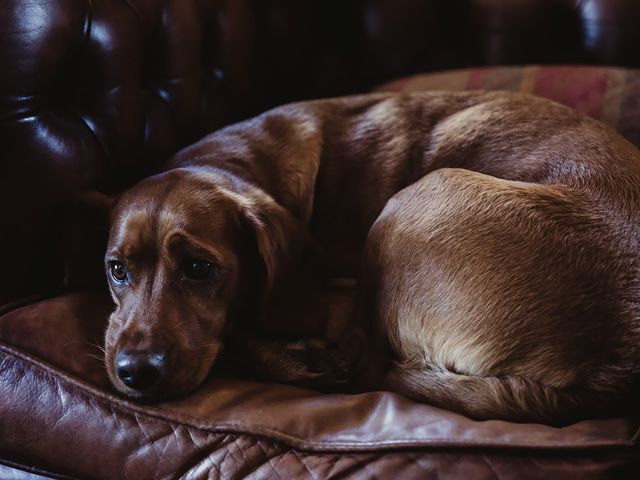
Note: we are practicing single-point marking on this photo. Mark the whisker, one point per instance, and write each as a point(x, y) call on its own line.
point(90, 344)
point(224, 357)
point(180, 324)
point(102, 349)
point(76, 343)
point(97, 357)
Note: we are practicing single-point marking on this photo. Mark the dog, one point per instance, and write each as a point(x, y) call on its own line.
point(491, 240)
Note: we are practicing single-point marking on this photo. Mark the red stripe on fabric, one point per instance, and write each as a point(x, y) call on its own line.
point(394, 85)
point(582, 88)
point(477, 78)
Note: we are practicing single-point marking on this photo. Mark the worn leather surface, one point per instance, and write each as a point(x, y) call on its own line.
point(57, 400)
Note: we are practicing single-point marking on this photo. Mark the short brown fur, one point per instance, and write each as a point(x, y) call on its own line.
point(493, 236)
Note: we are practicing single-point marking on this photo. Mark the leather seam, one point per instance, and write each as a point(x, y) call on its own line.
point(109, 401)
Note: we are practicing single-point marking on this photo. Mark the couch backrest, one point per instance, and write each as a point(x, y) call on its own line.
point(94, 94)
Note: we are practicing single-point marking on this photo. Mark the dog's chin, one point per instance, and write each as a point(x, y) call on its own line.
point(164, 391)
point(161, 393)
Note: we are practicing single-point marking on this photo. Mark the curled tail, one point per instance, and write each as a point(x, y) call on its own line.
point(511, 398)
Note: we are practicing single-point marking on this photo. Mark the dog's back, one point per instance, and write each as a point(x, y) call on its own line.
point(503, 271)
point(509, 285)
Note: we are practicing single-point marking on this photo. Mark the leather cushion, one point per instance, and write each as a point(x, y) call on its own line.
point(60, 414)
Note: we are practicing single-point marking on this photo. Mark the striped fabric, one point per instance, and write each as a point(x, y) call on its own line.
point(609, 94)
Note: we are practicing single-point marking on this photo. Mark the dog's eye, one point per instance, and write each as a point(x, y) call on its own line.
point(197, 270)
point(118, 272)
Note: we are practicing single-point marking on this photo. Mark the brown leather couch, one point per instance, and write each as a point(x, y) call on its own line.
point(94, 94)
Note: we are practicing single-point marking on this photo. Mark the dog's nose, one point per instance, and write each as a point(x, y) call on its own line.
point(140, 370)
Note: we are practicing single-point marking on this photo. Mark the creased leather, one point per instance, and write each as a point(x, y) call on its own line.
point(53, 403)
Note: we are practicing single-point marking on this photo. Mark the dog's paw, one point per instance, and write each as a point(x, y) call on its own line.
point(307, 363)
point(329, 359)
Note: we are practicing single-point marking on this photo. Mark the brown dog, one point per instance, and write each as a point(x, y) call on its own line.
point(494, 236)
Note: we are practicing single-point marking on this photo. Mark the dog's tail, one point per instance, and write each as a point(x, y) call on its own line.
point(509, 398)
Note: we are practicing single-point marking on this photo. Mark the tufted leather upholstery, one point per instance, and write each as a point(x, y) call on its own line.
point(94, 94)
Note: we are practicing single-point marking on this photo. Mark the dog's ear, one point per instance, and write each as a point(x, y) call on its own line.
point(278, 234)
point(86, 228)
point(98, 203)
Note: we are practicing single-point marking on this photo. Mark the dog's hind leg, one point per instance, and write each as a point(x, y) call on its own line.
point(509, 398)
point(489, 292)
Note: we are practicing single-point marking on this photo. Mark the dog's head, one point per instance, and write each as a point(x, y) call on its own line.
point(188, 250)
